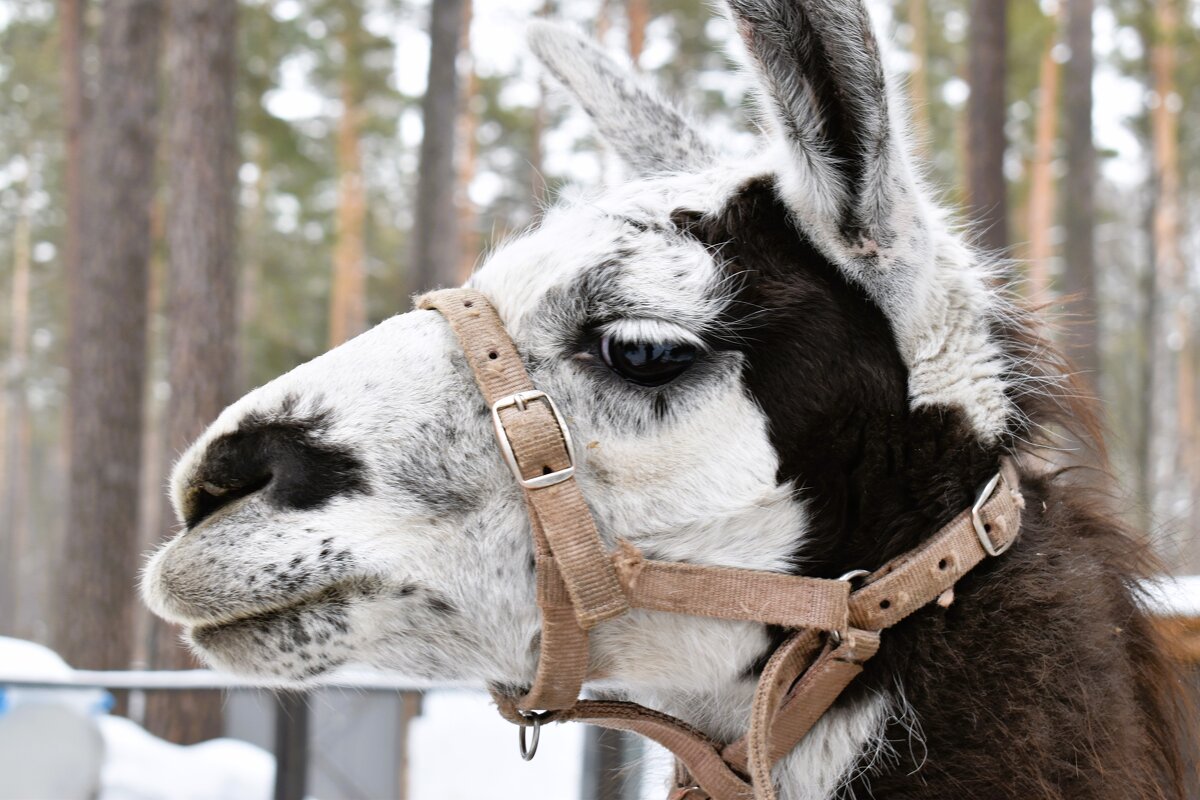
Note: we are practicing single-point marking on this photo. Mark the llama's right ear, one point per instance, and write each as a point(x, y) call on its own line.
point(648, 133)
point(822, 78)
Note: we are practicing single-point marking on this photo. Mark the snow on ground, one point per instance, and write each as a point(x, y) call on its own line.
point(1173, 596)
point(140, 766)
point(22, 659)
point(137, 765)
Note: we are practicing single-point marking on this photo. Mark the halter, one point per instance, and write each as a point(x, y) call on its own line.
point(834, 625)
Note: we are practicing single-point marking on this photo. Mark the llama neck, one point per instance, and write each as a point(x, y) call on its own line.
point(846, 738)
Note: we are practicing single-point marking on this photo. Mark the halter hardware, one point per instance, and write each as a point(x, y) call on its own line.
point(834, 625)
point(983, 529)
point(532, 719)
point(518, 400)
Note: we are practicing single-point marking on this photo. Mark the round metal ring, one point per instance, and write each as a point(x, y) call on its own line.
point(528, 751)
point(854, 575)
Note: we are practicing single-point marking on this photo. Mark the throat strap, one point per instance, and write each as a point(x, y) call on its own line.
point(835, 629)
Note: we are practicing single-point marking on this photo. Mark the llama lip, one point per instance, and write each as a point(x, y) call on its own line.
point(307, 635)
point(332, 596)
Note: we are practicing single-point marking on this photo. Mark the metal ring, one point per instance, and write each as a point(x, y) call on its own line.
point(854, 575)
point(528, 751)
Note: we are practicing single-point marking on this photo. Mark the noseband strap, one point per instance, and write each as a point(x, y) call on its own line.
point(835, 627)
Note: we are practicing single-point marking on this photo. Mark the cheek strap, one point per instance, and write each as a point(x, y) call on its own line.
point(580, 584)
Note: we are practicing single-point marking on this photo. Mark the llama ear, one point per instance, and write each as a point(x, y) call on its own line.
point(820, 71)
point(843, 171)
point(647, 132)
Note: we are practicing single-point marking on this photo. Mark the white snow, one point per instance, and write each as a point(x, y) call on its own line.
point(140, 766)
point(137, 765)
point(1173, 596)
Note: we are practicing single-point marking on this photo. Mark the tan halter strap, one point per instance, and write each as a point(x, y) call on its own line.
point(580, 584)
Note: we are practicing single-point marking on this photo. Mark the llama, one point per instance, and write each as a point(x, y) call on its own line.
point(786, 363)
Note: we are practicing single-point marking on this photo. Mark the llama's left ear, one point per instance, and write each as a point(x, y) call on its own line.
point(649, 134)
point(844, 172)
point(844, 165)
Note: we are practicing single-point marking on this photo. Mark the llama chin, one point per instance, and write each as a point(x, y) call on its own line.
point(855, 374)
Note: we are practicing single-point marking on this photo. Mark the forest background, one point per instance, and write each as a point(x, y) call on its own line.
point(196, 196)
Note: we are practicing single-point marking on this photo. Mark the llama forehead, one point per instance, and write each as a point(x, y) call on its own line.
point(621, 248)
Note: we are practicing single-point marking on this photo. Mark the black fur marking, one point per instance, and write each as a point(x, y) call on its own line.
point(1043, 679)
point(284, 457)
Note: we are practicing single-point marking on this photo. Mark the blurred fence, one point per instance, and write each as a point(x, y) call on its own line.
point(611, 765)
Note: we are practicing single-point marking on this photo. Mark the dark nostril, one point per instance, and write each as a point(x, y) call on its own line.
point(209, 497)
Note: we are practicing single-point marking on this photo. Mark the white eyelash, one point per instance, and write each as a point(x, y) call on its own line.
point(651, 330)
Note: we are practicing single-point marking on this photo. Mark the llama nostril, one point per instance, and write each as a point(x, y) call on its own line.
point(208, 497)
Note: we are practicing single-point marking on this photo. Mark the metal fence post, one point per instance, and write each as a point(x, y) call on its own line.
point(291, 745)
point(612, 768)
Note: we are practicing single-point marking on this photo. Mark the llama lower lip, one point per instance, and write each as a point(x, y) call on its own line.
point(304, 632)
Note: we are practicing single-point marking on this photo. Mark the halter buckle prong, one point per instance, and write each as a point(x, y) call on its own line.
point(519, 400)
point(981, 530)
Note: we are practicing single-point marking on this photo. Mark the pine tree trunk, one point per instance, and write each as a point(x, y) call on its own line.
point(14, 523)
point(201, 296)
point(436, 247)
point(537, 153)
point(468, 214)
point(1042, 194)
point(72, 34)
point(108, 346)
point(1172, 432)
point(986, 116)
point(638, 13)
point(918, 80)
point(1079, 263)
point(348, 301)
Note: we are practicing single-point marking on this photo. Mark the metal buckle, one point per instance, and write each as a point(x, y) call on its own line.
point(985, 494)
point(519, 399)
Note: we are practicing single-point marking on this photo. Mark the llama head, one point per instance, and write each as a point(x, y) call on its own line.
point(727, 341)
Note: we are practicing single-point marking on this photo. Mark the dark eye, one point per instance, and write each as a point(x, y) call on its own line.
point(647, 363)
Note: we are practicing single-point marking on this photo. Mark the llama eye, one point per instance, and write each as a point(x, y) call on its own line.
point(647, 363)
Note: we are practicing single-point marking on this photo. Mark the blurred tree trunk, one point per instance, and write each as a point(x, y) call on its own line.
point(348, 303)
point(1172, 413)
point(250, 285)
point(107, 354)
point(72, 35)
point(15, 434)
point(638, 13)
point(201, 299)
point(986, 115)
point(436, 240)
point(603, 20)
point(468, 214)
point(537, 152)
point(1079, 268)
point(1042, 193)
point(918, 80)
